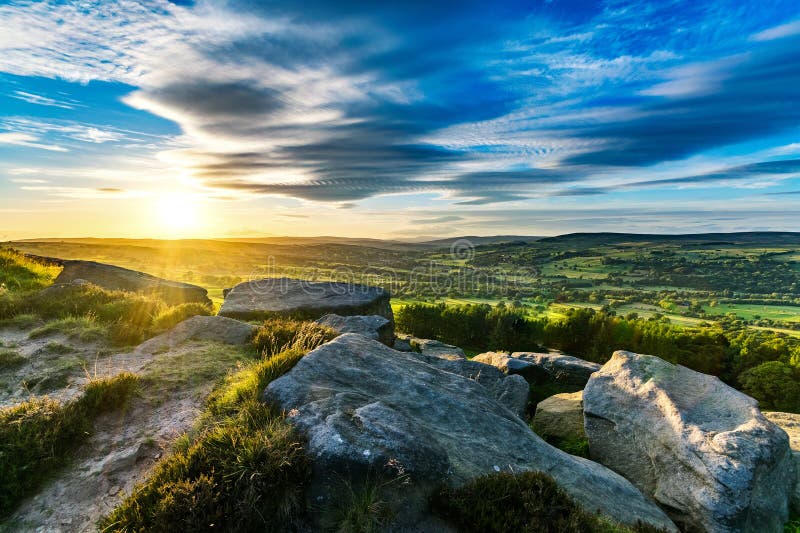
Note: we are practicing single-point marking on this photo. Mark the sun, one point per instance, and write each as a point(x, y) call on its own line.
point(176, 212)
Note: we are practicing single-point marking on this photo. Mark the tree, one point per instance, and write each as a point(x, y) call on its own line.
point(774, 384)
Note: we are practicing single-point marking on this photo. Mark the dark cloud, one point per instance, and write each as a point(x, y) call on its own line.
point(420, 67)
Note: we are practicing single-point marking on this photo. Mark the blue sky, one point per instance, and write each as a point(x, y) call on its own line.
point(406, 119)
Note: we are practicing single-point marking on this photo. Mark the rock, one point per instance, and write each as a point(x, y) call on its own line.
point(364, 406)
point(304, 299)
point(510, 391)
point(211, 328)
point(560, 416)
point(121, 279)
point(790, 423)
point(373, 327)
point(539, 368)
point(700, 448)
point(402, 343)
point(437, 349)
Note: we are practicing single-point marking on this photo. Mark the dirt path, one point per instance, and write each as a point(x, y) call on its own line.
point(124, 445)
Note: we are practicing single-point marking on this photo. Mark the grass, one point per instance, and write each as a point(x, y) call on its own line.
point(276, 335)
point(89, 311)
point(521, 503)
point(361, 507)
point(83, 328)
point(20, 274)
point(244, 467)
point(171, 317)
point(58, 348)
point(10, 358)
point(793, 525)
point(38, 436)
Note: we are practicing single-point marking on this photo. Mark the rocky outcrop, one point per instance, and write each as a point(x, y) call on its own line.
point(297, 298)
point(402, 343)
point(364, 406)
point(790, 423)
point(510, 391)
point(373, 327)
point(211, 328)
point(117, 278)
point(570, 373)
point(560, 416)
point(700, 448)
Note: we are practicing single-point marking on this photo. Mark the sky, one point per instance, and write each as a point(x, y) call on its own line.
point(398, 120)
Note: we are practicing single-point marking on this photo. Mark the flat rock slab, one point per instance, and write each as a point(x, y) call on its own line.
point(265, 298)
point(437, 349)
point(364, 406)
point(373, 326)
point(539, 368)
point(122, 279)
point(790, 423)
point(560, 416)
point(700, 448)
point(210, 328)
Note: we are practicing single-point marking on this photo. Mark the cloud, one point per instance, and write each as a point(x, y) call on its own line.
point(778, 32)
point(340, 102)
point(24, 139)
point(437, 220)
point(43, 100)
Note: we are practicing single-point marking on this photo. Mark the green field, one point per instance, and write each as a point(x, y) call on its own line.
point(691, 280)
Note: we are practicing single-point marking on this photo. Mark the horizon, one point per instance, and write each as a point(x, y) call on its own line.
point(237, 119)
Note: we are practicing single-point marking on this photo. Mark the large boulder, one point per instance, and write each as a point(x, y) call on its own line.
point(700, 448)
point(122, 279)
point(560, 416)
point(363, 406)
point(790, 423)
point(211, 328)
point(373, 326)
point(298, 298)
point(565, 371)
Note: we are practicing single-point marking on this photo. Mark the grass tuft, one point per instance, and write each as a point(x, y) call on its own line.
point(83, 328)
point(171, 317)
point(10, 358)
point(38, 436)
point(277, 335)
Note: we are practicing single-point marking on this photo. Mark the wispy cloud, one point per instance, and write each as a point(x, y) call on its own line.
point(38, 99)
point(30, 141)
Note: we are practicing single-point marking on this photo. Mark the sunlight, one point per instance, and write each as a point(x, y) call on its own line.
point(176, 212)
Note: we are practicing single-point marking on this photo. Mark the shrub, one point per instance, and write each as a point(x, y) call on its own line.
point(171, 317)
point(528, 502)
point(37, 436)
point(279, 334)
point(246, 467)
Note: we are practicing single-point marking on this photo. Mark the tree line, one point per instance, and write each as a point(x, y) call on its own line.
point(763, 364)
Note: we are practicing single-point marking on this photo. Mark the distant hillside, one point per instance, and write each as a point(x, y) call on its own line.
point(493, 239)
point(750, 238)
